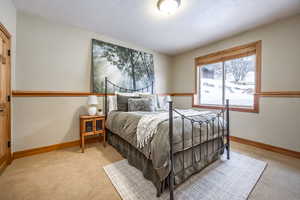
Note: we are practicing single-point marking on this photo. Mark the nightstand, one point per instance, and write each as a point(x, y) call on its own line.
point(92, 125)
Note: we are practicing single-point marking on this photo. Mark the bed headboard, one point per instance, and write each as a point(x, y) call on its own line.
point(116, 88)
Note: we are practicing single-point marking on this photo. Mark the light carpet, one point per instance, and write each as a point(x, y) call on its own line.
point(232, 179)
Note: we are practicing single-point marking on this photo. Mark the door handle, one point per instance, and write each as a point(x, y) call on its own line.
point(1, 110)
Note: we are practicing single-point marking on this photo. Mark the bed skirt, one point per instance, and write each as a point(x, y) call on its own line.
point(139, 161)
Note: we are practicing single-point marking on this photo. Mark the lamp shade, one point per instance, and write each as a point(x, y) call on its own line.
point(92, 100)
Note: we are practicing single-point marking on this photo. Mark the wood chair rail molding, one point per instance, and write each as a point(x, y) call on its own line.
point(22, 93)
point(279, 94)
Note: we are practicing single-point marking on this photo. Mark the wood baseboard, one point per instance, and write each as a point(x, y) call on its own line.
point(268, 147)
point(30, 152)
point(3, 166)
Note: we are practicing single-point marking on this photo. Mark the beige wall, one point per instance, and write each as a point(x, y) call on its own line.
point(278, 122)
point(56, 57)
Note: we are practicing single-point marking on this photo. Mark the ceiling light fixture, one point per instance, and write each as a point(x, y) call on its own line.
point(168, 6)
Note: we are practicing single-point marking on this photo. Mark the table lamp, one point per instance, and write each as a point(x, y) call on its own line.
point(92, 102)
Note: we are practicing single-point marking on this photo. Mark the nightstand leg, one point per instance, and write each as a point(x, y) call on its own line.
point(82, 144)
point(80, 138)
point(104, 139)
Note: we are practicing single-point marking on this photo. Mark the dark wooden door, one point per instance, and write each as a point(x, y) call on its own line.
point(5, 92)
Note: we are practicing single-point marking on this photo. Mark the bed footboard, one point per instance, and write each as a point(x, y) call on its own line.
point(210, 132)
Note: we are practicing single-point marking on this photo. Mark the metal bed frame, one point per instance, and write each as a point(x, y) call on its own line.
point(220, 130)
point(209, 131)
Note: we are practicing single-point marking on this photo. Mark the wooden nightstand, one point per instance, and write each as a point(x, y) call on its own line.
point(91, 125)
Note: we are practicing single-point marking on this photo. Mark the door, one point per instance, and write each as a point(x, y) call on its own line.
point(5, 92)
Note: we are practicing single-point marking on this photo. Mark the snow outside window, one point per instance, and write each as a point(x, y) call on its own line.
point(232, 79)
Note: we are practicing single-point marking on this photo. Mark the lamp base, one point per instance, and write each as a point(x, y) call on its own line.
point(92, 110)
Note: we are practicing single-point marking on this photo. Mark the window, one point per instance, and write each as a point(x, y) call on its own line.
point(232, 74)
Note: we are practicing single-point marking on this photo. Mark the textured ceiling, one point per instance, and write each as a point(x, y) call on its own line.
point(196, 23)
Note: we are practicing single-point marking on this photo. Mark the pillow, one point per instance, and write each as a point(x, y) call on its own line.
point(140, 104)
point(127, 94)
point(163, 102)
point(122, 101)
point(112, 103)
point(153, 97)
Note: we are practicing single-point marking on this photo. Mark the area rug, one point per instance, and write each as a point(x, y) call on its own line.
point(232, 179)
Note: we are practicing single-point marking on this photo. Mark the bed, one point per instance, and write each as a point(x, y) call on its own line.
point(168, 146)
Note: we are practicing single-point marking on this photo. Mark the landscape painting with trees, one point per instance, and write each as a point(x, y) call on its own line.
point(125, 67)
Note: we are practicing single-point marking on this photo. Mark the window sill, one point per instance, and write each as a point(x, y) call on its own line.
point(238, 109)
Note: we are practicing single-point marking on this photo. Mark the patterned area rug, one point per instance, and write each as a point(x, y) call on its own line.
point(232, 179)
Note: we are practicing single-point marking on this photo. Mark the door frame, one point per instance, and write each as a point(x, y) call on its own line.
point(8, 35)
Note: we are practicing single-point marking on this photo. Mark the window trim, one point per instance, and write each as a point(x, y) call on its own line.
point(253, 48)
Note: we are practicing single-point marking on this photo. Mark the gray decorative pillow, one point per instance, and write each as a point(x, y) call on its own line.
point(122, 102)
point(150, 96)
point(141, 104)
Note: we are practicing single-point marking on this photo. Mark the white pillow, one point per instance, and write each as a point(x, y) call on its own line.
point(127, 94)
point(163, 102)
point(112, 103)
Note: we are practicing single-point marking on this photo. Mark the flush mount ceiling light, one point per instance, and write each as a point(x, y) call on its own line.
point(168, 6)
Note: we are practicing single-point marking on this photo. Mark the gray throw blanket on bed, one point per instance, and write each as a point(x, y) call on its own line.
point(148, 124)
